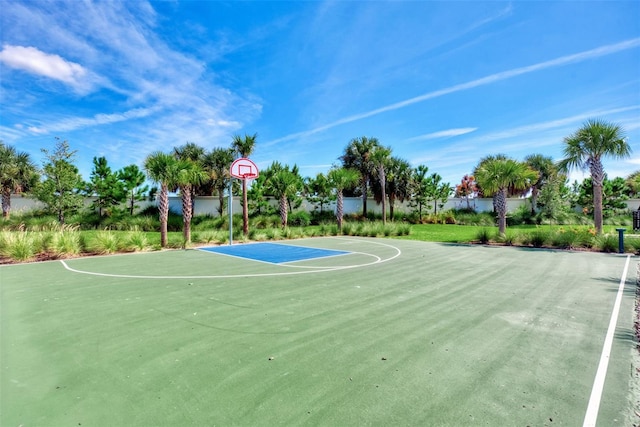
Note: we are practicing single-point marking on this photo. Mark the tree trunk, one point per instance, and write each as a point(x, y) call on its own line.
point(133, 200)
point(392, 202)
point(597, 177)
point(534, 199)
point(163, 207)
point(383, 184)
point(340, 210)
point(245, 208)
point(363, 188)
point(220, 202)
point(501, 207)
point(6, 202)
point(187, 213)
point(597, 207)
point(283, 211)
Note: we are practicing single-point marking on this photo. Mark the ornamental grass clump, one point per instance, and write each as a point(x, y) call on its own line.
point(19, 246)
point(633, 245)
point(483, 235)
point(606, 243)
point(571, 238)
point(106, 242)
point(137, 241)
point(66, 243)
point(508, 239)
point(537, 238)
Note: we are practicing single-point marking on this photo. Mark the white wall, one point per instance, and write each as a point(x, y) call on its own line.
point(208, 205)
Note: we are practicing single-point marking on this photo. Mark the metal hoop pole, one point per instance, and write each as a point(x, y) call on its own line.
point(230, 209)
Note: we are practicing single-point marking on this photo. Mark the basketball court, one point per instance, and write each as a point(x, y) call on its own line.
point(322, 331)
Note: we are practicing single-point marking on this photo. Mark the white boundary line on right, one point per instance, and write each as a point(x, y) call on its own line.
point(591, 415)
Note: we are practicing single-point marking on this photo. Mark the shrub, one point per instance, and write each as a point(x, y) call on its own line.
point(299, 219)
point(632, 244)
point(483, 235)
point(137, 241)
point(570, 239)
point(508, 238)
point(318, 218)
point(521, 216)
point(105, 242)
point(606, 243)
point(537, 238)
point(222, 238)
point(404, 230)
point(273, 233)
point(19, 246)
point(65, 243)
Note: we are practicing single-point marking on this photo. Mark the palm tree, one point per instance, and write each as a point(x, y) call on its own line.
point(585, 149)
point(17, 172)
point(380, 159)
point(483, 161)
point(244, 147)
point(496, 176)
point(283, 183)
point(189, 151)
point(163, 169)
point(342, 179)
point(546, 169)
point(216, 164)
point(357, 155)
point(189, 174)
point(189, 177)
point(398, 180)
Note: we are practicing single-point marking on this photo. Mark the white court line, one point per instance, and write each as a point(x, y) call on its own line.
point(377, 260)
point(591, 416)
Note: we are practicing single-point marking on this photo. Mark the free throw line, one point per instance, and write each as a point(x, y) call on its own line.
point(591, 416)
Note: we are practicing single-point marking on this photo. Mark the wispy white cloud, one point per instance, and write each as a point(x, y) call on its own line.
point(443, 134)
point(34, 61)
point(493, 78)
point(516, 140)
point(69, 124)
point(536, 128)
point(165, 96)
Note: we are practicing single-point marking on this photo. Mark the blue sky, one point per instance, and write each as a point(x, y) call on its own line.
point(442, 83)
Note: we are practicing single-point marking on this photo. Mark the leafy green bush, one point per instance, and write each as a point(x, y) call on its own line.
point(326, 216)
point(299, 219)
point(522, 216)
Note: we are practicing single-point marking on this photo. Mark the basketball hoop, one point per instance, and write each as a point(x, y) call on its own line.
point(244, 168)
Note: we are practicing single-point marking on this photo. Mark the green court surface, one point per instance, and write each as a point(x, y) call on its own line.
point(392, 333)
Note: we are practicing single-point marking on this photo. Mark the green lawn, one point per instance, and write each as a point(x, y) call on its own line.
point(397, 333)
